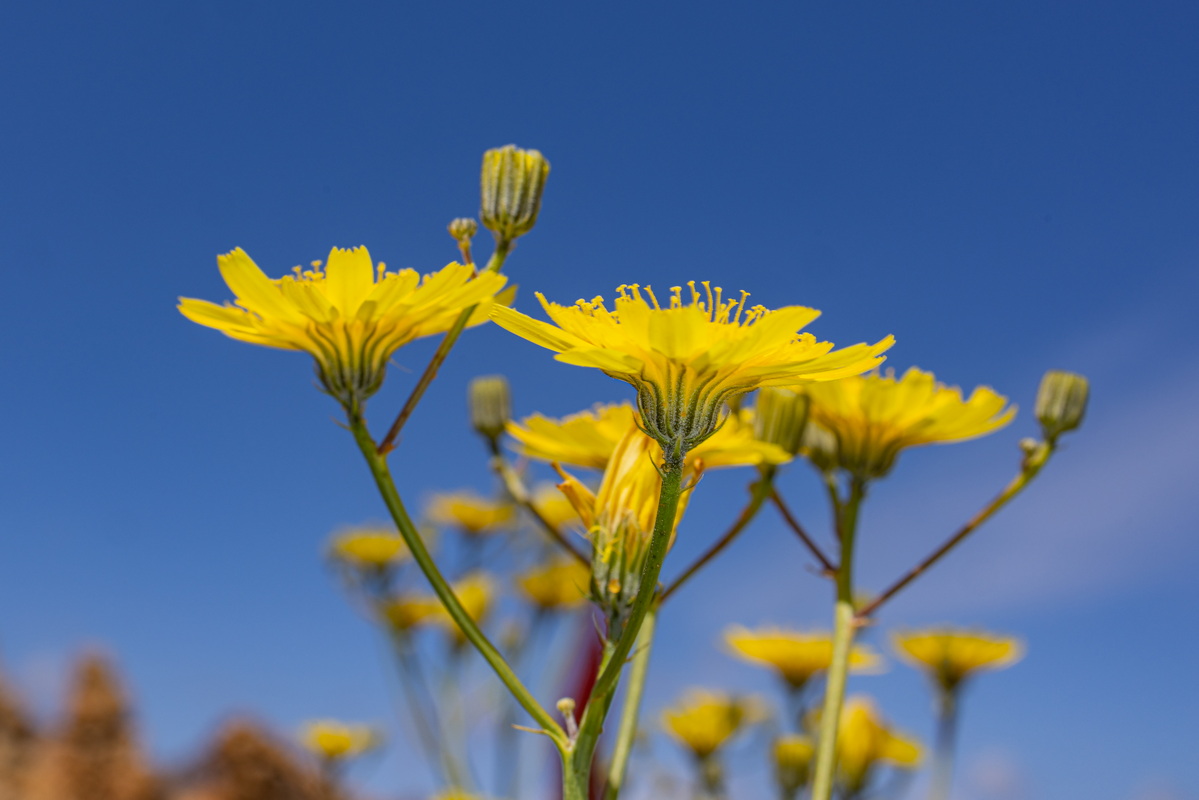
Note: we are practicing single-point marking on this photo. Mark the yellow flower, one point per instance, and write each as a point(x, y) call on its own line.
point(792, 762)
point(687, 360)
point(562, 584)
point(351, 317)
point(588, 439)
point(476, 592)
point(795, 655)
point(456, 794)
point(865, 740)
point(703, 720)
point(554, 506)
point(619, 520)
point(369, 547)
point(337, 741)
point(406, 613)
point(950, 655)
point(471, 513)
point(873, 417)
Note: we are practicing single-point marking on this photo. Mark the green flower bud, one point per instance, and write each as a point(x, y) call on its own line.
point(780, 417)
point(490, 405)
point(1061, 402)
point(512, 182)
point(463, 229)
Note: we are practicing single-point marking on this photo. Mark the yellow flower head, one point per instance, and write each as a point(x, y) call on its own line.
point(407, 612)
point(589, 438)
point(471, 513)
point(336, 741)
point(619, 519)
point(792, 761)
point(795, 655)
point(950, 655)
point(703, 720)
point(456, 794)
point(873, 417)
point(558, 585)
point(476, 592)
point(688, 359)
point(865, 740)
point(369, 547)
point(350, 317)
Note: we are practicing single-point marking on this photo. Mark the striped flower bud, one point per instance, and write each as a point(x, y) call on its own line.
point(512, 182)
point(1061, 402)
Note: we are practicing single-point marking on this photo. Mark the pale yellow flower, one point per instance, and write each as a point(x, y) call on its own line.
point(456, 794)
point(704, 721)
point(369, 547)
point(337, 741)
point(471, 513)
point(865, 740)
point(796, 656)
point(588, 439)
point(873, 417)
point(950, 655)
point(558, 585)
point(350, 317)
point(688, 359)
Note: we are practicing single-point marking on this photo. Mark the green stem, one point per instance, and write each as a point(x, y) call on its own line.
point(1034, 461)
point(947, 725)
point(577, 767)
point(632, 708)
point(844, 626)
point(760, 492)
point(502, 248)
point(391, 497)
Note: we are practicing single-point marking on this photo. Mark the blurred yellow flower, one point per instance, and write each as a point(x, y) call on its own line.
point(554, 507)
point(792, 762)
point(873, 417)
point(350, 317)
point(687, 360)
point(456, 794)
point(337, 741)
point(560, 585)
point(588, 439)
point(704, 720)
point(950, 655)
point(476, 592)
point(796, 656)
point(865, 740)
point(471, 513)
point(408, 612)
point(369, 547)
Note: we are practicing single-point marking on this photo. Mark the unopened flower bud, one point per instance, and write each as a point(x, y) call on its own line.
point(1061, 402)
point(490, 405)
point(512, 182)
point(820, 447)
point(780, 417)
point(463, 229)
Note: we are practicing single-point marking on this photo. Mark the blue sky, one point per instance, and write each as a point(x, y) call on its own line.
point(1005, 187)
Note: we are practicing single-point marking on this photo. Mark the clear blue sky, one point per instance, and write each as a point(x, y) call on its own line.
point(1006, 187)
